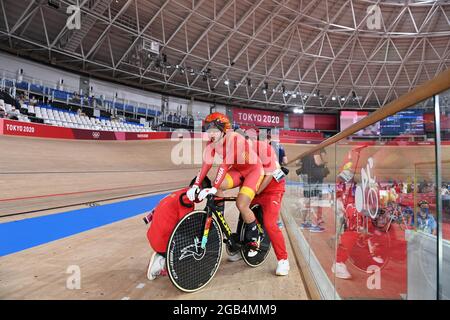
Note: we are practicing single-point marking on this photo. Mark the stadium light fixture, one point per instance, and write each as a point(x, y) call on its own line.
point(266, 87)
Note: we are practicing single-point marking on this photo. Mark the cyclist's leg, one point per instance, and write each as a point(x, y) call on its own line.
point(271, 206)
point(246, 194)
point(232, 180)
point(250, 184)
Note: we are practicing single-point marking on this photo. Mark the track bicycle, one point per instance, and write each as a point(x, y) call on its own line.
point(195, 247)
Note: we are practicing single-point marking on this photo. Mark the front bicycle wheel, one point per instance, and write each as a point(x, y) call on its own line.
point(190, 267)
point(265, 244)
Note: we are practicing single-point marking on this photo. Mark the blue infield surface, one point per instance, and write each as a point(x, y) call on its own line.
point(24, 234)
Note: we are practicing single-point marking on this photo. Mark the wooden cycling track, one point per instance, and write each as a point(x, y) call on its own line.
point(39, 174)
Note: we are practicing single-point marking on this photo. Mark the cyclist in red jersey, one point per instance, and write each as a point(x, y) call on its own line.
point(269, 197)
point(164, 218)
point(238, 158)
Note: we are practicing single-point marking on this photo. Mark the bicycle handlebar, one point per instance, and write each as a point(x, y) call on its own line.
point(216, 198)
point(212, 201)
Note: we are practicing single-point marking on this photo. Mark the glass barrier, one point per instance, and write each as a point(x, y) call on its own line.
point(444, 111)
point(365, 214)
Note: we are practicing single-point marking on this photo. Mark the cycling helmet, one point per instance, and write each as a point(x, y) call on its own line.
point(217, 120)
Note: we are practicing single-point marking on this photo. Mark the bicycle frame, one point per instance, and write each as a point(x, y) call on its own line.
point(210, 211)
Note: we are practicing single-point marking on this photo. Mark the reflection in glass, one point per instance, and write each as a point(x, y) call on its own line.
point(444, 111)
point(365, 209)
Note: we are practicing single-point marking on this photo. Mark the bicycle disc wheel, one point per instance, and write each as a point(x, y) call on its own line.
point(190, 268)
point(265, 245)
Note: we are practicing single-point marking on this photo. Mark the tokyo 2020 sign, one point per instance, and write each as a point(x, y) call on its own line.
point(258, 118)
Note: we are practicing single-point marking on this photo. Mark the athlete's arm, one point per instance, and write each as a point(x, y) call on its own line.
point(264, 183)
point(223, 169)
point(208, 157)
point(202, 174)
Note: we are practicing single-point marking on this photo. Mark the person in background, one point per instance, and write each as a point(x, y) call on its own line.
point(445, 193)
point(269, 196)
point(2, 112)
point(444, 190)
point(21, 99)
point(164, 217)
point(315, 169)
point(13, 114)
point(281, 157)
point(425, 220)
point(33, 101)
point(422, 187)
point(279, 150)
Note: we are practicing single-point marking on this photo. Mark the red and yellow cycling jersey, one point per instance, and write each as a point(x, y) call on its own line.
point(267, 156)
point(238, 156)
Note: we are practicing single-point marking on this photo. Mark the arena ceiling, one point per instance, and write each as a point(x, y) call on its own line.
point(277, 54)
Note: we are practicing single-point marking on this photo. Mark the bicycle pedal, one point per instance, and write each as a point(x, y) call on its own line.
point(252, 247)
